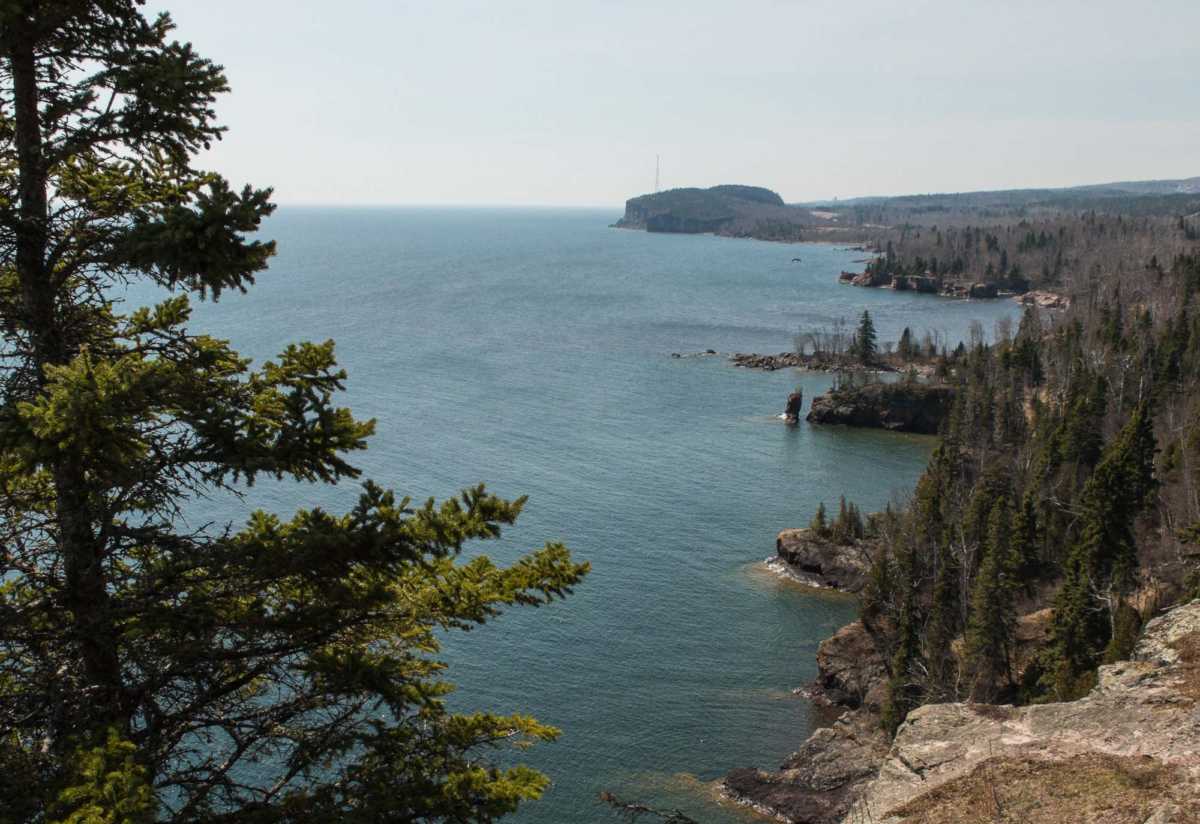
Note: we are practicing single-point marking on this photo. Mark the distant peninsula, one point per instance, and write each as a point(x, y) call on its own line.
point(735, 210)
point(730, 210)
point(965, 244)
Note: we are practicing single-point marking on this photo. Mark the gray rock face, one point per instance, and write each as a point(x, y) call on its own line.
point(850, 670)
point(822, 562)
point(1127, 753)
point(904, 407)
point(1142, 712)
point(818, 783)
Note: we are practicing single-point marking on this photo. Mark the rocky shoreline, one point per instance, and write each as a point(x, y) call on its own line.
point(958, 289)
point(794, 360)
point(1131, 746)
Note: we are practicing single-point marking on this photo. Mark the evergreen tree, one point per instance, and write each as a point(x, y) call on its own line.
point(905, 348)
point(285, 671)
point(990, 629)
point(819, 523)
point(903, 684)
point(865, 346)
point(1101, 565)
point(942, 626)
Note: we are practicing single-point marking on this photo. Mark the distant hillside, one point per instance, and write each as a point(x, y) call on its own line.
point(990, 230)
point(719, 209)
point(1014, 198)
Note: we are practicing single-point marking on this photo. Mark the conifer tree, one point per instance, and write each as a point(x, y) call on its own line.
point(905, 347)
point(283, 671)
point(989, 633)
point(903, 685)
point(943, 624)
point(819, 523)
point(865, 346)
point(1104, 559)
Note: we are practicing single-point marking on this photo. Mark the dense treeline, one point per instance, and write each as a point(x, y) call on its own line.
point(1058, 251)
point(1064, 493)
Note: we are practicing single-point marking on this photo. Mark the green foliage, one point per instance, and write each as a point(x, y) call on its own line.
point(283, 671)
point(819, 523)
point(864, 347)
point(1126, 625)
point(109, 786)
point(848, 526)
point(990, 629)
point(1102, 563)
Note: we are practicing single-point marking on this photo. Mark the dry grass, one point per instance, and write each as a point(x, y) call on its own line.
point(1090, 789)
point(1188, 648)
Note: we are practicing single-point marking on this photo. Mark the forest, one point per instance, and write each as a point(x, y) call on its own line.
point(1064, 492)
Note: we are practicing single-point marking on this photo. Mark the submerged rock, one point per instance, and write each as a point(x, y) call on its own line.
point(903, 407)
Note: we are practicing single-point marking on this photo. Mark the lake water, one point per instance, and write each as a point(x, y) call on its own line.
point(530, 349)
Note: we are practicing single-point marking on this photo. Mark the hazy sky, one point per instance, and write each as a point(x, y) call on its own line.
point(567, 102)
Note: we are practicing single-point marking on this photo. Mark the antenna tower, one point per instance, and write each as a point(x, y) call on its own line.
point(656, 174)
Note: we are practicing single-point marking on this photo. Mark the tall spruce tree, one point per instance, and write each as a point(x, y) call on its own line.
point(990, 628)
point(284, 671)
point(1102, 563)
point(865, 346)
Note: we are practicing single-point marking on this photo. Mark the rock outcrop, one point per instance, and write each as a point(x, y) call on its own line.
point(791, 412)
point(850, 670)
point(904, 407)
point(823, 562)
point(820, 782)
point(1127, 752)
point(1043, 300)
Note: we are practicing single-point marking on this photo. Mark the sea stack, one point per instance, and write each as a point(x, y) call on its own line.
point(794, 402)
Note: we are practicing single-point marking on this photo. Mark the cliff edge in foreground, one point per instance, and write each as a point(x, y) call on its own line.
point(1127, 753)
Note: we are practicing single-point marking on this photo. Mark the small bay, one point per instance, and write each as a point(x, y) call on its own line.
point(531, 349)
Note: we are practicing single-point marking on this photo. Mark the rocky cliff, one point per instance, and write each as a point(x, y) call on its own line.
point(1127, 753)
point(904, 406)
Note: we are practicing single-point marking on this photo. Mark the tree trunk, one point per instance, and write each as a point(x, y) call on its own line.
point(82, 552)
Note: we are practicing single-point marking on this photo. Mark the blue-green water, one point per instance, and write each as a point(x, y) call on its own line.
point(530, 349)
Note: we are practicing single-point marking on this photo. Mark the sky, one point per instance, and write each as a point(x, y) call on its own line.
point(568, 102)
